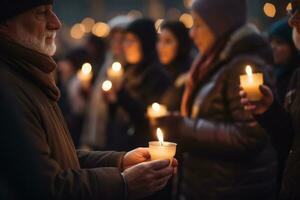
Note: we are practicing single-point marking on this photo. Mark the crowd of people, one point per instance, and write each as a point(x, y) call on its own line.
point(66, 136)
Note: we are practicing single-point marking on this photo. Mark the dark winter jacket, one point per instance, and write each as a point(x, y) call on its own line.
point(284, 128)
point(228, 155)
point(144, 83)
point(69, 174)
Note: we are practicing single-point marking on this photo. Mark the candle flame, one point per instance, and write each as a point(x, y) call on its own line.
point(107, 85)
point(160, 136)
point(156, 107)
point(86, 68)
point(116, 66)
point(249, 70)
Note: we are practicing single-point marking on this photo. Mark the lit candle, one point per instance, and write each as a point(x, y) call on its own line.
point(85, 75)
point(106, 86)
point(251, 82)
point(115, 73)
point(160, 149)
point(156, 110)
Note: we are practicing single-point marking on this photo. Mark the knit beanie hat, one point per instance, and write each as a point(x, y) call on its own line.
point(12, 8)
point(282, 30)
point(144, 29)
point(182, 35)
point(222, 16)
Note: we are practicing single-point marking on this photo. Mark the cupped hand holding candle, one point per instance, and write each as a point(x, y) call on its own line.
point(160, 150)
point(156, 110)
point(115, 73)
point(250, 83)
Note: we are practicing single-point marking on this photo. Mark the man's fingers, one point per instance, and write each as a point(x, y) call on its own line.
point(245, 101)
point(250, 107)
point(159, 164)
point(163, 172)
point(242, 94)
point(174, 162)
point(265, 90)
point(144, 152)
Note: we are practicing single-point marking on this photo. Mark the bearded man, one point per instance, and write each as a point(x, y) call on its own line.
point(27, 42)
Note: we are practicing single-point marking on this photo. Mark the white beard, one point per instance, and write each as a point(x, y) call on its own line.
point(296, 38)
point(27, 40)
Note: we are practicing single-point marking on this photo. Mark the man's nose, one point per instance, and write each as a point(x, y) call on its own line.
point(53, 22)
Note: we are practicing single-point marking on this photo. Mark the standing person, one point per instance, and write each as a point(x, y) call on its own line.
point(144, 83)
point(174, 49)
point(94, 134)
point(27, 42)
point(227, 154)
point(283, 123)
point(286, 56)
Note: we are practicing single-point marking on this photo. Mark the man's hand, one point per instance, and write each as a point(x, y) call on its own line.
point(258, 107)
point(135, 157)
point(147, 178)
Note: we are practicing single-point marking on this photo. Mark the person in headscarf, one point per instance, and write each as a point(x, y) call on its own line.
point(145, 82)
point(94, 134)
point(282, 122)
point(174, 51)
point(286, 56)
point(227, 154)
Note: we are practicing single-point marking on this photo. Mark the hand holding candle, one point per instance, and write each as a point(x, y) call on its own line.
point(85, 75)
point(115, 74)
point(160, 150)
point(250, 83)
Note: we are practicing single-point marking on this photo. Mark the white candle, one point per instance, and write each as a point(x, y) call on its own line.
point(157, 110)
point(160, 150)
point(85, 75)
point(250, 83)
point(115, 73)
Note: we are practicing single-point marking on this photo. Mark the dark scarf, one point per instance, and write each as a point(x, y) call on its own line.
point(200, 69)
point(30, 64)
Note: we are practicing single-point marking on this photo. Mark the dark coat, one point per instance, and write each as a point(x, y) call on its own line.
point(69, 174)
point(284, 127)
point(229, 155)
point(143, 85)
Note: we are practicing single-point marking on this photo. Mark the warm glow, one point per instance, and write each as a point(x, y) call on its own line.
point(158, 24)
point(289, 7)
point(101, 29)
point(187, 20)
point(269, 10)
point(88, 24)
point(107, 85)
point(156, 107)
point(249, 70)
point(77, 31)
point(86, 68)
point(160, 136)
point(116, 66)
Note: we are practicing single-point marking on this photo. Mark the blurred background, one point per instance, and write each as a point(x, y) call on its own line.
point(82, 17)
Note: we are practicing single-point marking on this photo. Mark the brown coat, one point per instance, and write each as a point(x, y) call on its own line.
point(70, 174)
